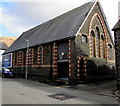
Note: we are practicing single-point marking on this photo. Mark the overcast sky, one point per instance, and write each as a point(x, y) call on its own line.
point(17, 16)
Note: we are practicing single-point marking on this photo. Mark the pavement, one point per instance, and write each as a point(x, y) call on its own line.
point(106, 88)
point(22, 91)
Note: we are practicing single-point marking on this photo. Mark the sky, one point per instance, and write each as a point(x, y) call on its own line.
point(18, 16)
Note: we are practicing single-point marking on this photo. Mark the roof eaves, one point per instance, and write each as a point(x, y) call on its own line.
point(115, 29)
point(86, 17)
point(40, 44)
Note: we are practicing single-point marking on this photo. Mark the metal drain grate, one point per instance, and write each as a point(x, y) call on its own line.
point(61, 96)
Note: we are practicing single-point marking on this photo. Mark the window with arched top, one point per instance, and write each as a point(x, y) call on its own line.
point(98, 41)
point(103, 45)
point(29, 56)
point(40, 56)
point(93, 43)
point(19, 59)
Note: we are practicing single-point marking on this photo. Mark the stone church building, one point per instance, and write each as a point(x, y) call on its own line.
point(76, 45)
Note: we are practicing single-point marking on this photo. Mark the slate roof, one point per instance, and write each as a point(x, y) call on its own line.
point(117, 25)
point(3, 46)
point(61, 27)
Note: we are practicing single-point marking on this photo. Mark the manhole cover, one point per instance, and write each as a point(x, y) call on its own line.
point(61, 96)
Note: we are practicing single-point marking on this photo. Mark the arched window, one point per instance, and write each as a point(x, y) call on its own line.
point(30, 55)
point(98, 41)
point(19, 58)
point(40, 56)
point(93, 43)
point(103, 45)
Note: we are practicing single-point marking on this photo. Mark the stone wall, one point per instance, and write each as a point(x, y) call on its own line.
point(35, 71)
point(117, 48)
point(99, 66)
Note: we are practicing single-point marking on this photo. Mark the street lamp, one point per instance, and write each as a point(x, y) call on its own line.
point(28, 57)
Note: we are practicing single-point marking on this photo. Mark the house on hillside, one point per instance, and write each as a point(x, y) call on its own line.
point(76, 45)
point(8, 40)
point(116, 30)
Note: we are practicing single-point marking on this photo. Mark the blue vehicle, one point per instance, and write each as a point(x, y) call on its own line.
point(7, 73)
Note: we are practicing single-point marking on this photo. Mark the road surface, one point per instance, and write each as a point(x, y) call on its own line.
point(21, 91)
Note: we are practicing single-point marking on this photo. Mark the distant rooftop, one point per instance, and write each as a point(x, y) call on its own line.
point(8, 40)
point(117, 26)
point(3, 46)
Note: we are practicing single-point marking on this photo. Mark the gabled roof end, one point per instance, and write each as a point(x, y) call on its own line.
point(95, 1)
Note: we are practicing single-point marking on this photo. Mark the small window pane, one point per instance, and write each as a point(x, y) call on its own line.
point(109, 46)
point(84, 38)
